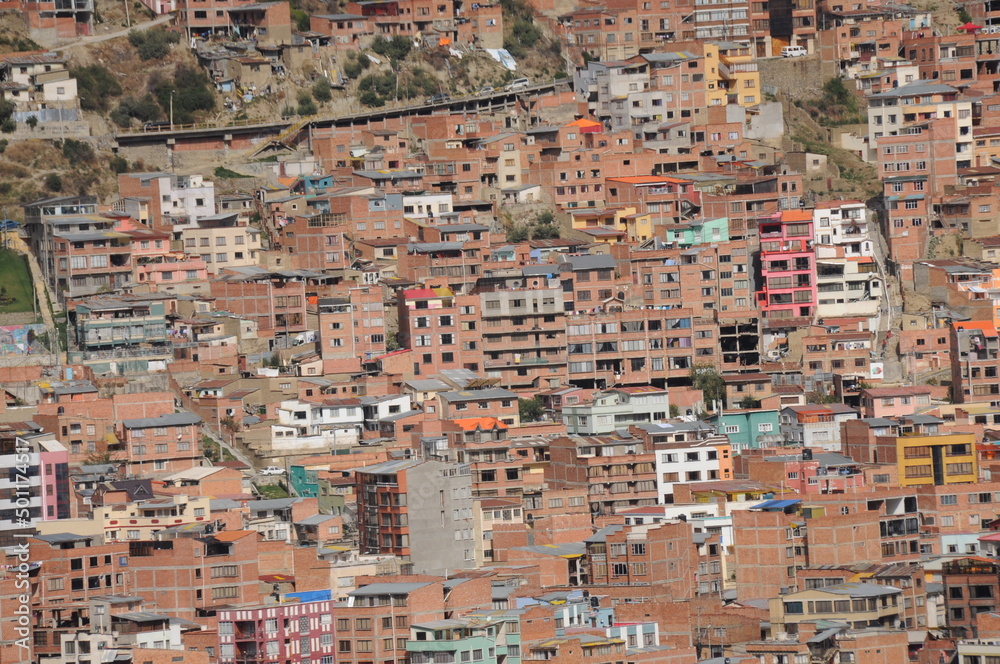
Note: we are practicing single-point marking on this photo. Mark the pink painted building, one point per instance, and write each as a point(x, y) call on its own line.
point(894, 401)
point(788, 265)
point(291, 633)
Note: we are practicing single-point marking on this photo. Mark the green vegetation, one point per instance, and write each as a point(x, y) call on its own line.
point(376, 89)
point(76, 152)
point(18, 43)
point(530, 410)
point(190, 90)
point(143, 109)
point(356, 64)
point(301, 20)
point(224, 173)
point(396, 48)
point(53, 183)
point(522, 34)
point(306, 104)
point(321, 91)
point(704, 377)
point(95, 85)
point(212, 449)
point(118, 164)
point(838, 105)
point(964, 16)
point(271, 492)
point(748, 402)
point(153, 44)
point(544, 227)
point(16, 279)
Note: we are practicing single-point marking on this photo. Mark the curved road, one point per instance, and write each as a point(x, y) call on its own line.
point(94, 39)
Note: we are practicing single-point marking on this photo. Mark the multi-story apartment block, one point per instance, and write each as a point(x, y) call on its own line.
point(843, 225)
point(293, 633)
point(275, 301)
point(316, 427)
point(221, 240)
point(36, 485)
point(618, 472)
point(405, 507)
point(616, 408)
point(352, 328)
point(163, 200)
point(523, 331)
point(440, 328)
point(788, 266)
point(106, 323)
point(975, 366)
point(858, 604)
point(163, 444)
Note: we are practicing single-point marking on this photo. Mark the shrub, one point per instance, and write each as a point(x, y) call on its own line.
point(152, 44)
point(301, 20)
point(144, 109)
point(304, 97)
point(192, 92)
point(76, 152)
point(396, 48)
point(53, 182)
point(370, 99)
point(118, 164)
point(95, 85)
point(8, 126)
point(321, 91)
point(308, 108)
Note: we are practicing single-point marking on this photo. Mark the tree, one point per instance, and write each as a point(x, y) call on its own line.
point(518, 233)
point(321, 91)
point(191, 92)
point(395, 48)
point(530, 410)
point(301, 19)
point(748, 402)
point(704, 377)
point(675, 410)
point(392, 342)
point(32, 122)
point(53, 182)
point(95, 87)
point(153, 44)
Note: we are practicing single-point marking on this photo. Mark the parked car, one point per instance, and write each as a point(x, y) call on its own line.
point(518, 84)
point(273, 470)
point(793, 51)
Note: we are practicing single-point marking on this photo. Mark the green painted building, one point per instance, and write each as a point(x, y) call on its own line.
point(748, 429)
point(699, 231)
point(485, 638)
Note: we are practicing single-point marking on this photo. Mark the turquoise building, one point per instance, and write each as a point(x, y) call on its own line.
point(485, 638)
point(748, 429)
point(699, 231)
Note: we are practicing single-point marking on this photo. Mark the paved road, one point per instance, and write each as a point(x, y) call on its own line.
point(95, 39)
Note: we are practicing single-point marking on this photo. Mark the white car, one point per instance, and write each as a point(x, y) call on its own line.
point(273, 470)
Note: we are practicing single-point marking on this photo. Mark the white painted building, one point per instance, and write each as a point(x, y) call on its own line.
point(305, 426)
point(616, 408)
point(842, 225)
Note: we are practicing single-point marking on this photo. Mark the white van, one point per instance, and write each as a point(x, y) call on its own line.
point(793, 51)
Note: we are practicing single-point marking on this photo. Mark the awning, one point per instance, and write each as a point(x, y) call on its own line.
point(777, 504)
point(824, 635)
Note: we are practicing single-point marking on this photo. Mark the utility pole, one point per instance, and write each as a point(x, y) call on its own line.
point(171, 110)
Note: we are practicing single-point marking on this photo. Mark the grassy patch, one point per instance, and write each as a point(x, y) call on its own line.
point(15, 280)
point(271, 491)
point(225, 173)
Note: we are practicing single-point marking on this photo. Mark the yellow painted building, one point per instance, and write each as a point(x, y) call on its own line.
point(937, 459)
point(613, 225)
point(731, 75)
